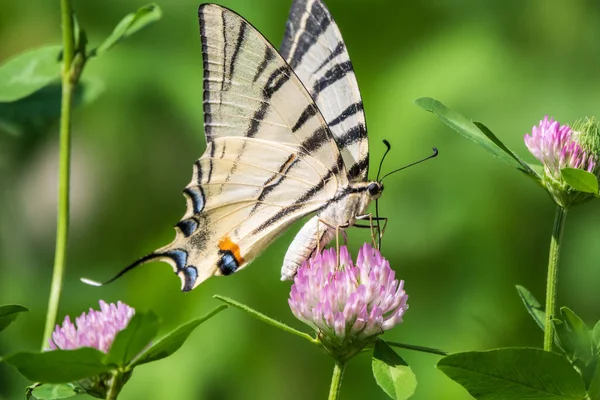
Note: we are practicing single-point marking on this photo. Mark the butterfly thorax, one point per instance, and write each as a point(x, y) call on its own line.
point(350, 202)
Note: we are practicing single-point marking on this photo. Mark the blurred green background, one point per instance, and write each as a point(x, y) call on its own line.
point(463, 230)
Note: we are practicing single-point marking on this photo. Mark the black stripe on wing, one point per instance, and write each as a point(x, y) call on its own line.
point(312, 27)
point(347, 113)
point(240, 39)
point(302, 200)
point(267, 58)
point(333, 74)
point(275, 180)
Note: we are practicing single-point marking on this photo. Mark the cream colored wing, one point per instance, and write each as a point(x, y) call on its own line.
point(315, 49)
point(267, 163)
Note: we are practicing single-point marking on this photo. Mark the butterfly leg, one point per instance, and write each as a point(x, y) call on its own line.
point(338, 229)
point(372, 227)
point(369, 217)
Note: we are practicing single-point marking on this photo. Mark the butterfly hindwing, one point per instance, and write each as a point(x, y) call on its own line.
point(314, 48)
point(270, 157)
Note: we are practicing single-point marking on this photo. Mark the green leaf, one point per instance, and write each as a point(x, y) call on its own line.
point(563, 338)
point(514, 373)
point(36, 112)
point(533, 306)
point(130, 342)
point(525, 166)
point(59, 366)
point(477, 132)
point(50, 391)
point(392, 373)
point(594, 389)
point(596, 336)
point(174, 340)
point(579, 335)
point(9, 313)
point(28, 72)
point(130, 24)
point(580, 180)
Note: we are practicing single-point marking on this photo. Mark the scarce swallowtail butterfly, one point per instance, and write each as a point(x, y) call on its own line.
point(285, 137)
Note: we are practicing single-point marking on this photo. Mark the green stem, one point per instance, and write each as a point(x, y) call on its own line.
point(336, 380)
point(422, 349)
point(557, 232)
point(114, 386)
point(62, 226)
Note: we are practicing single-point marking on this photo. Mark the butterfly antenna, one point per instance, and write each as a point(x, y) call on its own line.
point(435, 153)
point(389, 147)
point(139, 262)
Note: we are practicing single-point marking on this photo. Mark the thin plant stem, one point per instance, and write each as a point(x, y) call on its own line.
point(264, 318)
point(557, 232)
point(422, 349)
point(336, 380)
point(62, 226)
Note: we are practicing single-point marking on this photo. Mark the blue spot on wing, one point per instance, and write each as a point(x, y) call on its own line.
point(187, 226)
point(197, 196)
point(178, 256)
point(191, 274)
point(227, 263)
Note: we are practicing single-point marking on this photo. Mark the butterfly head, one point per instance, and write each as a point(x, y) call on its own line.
point(375, 189)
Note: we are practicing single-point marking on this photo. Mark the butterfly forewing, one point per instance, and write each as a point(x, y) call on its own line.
point(314, 48)
point(270, 157)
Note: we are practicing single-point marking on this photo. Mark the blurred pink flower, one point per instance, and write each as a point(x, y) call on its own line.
point(95, 329)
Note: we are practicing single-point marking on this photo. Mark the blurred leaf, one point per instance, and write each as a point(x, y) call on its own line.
point(594, 389)
point(59, 366)
point(596, 336)
point(42, 108)
point(580, 180)
point(579, 335)
point(514, 373)
point(49, 391)
point(29, 72)
point(477, 132)
point(130, 24)
point(392, 373)
point(130, 342)
point(173, 341)
point(9, 313)
point(533, 306)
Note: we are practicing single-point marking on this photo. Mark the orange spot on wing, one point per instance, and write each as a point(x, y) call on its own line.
point(226, 244)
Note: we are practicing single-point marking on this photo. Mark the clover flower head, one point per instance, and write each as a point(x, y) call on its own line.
point(348, 304)
point(562, 146)
point(558, 146)
point(95, 329)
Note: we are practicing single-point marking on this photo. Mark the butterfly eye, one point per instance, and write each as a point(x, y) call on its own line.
point(374, 189)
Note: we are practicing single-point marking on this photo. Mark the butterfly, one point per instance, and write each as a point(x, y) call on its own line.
point(286, 137)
